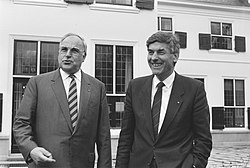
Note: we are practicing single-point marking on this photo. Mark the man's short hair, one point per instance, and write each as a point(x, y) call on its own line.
point(165, 37)
point(82, 39)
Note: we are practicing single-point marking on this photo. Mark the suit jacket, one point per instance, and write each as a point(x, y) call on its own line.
point(184, 139)
point(43, 120)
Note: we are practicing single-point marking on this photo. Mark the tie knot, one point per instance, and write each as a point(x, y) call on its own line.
point(72, 76)
point(160, 85)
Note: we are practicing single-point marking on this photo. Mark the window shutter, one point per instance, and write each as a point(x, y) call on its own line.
point(183, 39)
point(217, 117)
point(240, 44)
point(248, 113)
point(204, 41)
point(145, 4)
point(80, 1)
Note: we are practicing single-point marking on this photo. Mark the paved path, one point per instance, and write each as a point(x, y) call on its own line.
point(230, 156)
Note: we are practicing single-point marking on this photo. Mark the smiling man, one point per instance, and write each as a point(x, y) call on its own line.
point(166, 119)
point(64, 115)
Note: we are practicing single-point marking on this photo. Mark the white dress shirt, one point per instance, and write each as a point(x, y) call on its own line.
point(166, 91)
point(66, 82)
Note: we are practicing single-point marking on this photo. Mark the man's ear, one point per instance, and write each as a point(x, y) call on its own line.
point(83, 57)
point(176, 56)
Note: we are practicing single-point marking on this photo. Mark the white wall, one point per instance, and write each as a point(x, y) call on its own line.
point(213, 65)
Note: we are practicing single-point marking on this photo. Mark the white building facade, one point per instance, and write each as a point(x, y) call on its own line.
point(214, 49)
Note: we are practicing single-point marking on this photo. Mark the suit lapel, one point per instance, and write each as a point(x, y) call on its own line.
point(84, 99)
point(59, 90)
point(145, 104)
point(175, 102)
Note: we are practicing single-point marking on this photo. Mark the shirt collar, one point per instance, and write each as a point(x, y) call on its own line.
point(168, 81)
point(66, 75)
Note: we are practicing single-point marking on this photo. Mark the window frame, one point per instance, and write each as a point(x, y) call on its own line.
point(114, 43)
point(115, 8)
point(114, 61)
point(113, 2)
point(40, 58)
point(95, 42)
point(36, 54)
point(234, 106)
point(159, 23)
point(221, 37)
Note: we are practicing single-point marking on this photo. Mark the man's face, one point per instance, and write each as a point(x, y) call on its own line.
point(71, 54)
point(160, 60)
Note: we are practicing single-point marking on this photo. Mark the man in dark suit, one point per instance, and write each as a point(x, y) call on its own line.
point(165, 125)
point(64, 114)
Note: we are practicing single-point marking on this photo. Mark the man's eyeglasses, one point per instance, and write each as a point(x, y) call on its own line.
point(73, 51)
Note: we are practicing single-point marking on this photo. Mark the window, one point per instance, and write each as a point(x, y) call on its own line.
point(164, 24)
point(1, 111)
point(120, 6)
point(221, 35)
point(25, 57)
point(182, 36)
point(114, 67)
point(30, 58)
point(49, 52)
point(115, 2)
point(234, 102)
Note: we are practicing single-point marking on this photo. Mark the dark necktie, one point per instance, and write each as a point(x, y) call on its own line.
point(156, 108)
point(72, 99)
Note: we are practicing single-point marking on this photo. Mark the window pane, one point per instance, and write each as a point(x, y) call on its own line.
point(229, 117)
point(19, 85)
point(1, 110)
point(228, 92)
point(215, 28)
point(124, 67)
point(104, 65)
point(25, 58)
point(215, 42)
point(49, 54)
point(115, 2)
point(227, 29)
point(239, 93)
point(104, 1)
point(166, 24)
point(221, 42)
point(227, 43)
point(158, 23)
point(116, 110)
point(123, 2)
point(234, 117)
point(239, 117)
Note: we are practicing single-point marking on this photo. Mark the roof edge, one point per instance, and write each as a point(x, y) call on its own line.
point(203, 5)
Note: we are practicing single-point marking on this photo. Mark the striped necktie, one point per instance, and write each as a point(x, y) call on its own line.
point(72, 100)
point(156, 108)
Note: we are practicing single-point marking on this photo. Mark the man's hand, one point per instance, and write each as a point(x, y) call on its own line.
point(41, 156)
